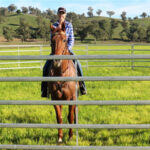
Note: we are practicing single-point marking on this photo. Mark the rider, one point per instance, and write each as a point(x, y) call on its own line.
point(70, 41)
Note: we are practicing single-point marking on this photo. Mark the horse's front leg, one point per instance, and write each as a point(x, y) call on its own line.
point(71, 119)
point(58, 109)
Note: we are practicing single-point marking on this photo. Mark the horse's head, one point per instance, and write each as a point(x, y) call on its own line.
point(58, 42)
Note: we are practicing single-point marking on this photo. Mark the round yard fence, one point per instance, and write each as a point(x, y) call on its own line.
point(77, 102)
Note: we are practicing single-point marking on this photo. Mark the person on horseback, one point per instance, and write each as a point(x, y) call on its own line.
point(70, 42)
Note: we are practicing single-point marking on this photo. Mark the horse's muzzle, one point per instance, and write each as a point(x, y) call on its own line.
point(57, 63)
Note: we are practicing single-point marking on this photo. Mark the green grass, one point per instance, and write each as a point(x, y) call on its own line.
point(102, 90)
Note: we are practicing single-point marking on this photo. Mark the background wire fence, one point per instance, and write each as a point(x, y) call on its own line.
point(108, 49)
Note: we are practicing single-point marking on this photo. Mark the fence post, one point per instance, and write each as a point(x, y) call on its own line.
point(132, 52)
point(87, 59)
point(77, 134)
point(18, 55)
point(41, 49)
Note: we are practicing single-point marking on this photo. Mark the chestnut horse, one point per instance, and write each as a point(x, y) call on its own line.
point(64, 68)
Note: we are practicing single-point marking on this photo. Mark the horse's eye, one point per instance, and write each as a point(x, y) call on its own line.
point(64, 40)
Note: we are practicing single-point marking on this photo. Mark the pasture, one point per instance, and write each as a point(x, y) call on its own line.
point(102, 90)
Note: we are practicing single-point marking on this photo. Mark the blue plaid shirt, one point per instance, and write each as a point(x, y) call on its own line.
point(69, 34)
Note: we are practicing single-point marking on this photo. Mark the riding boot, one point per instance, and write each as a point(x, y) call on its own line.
point(81, 83)
point(45, 73)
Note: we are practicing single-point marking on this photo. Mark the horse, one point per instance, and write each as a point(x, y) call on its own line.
point(62, 90)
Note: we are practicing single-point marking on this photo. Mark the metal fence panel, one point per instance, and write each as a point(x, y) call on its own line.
point(78, 102)
point(48, 147)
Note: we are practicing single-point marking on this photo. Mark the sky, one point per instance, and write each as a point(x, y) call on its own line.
point(132, 7)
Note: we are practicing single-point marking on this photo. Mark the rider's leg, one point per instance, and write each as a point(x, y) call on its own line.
point(45, 73)
point(81, 83)
point(80, 73)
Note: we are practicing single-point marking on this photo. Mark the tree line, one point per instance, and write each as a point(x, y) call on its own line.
point(99, 29)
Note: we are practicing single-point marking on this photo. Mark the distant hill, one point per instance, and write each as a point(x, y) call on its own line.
point(12, 20)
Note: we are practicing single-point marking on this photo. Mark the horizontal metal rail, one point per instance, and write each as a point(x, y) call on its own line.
point(70, 57)
point(109, 78)
point(36, 67)
point(20, 51)
point(24, 62)
point(1, 46)
point(62, 102)
point(114, 66)
point(76, 126)
point(48, 147)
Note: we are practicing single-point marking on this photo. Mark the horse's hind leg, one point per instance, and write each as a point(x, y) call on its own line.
point(59, 121)
point(71, 119)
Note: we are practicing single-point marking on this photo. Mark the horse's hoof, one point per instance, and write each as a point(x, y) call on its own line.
point(60, 140)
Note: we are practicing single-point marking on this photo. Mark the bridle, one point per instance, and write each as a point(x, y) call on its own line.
point(52, 44)
point(65, 50)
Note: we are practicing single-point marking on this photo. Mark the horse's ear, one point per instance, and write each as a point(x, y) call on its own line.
point(63, 27)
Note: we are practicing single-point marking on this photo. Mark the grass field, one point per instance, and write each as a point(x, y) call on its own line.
point(102, 90)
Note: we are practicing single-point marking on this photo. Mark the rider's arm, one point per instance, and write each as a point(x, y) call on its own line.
point(70, 37)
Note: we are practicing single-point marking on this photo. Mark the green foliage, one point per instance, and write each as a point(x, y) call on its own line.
point(18, 11)
point(82, 32)
point(109, 31)
point(142, 33)
point(43, 29)
point(24, 10)
point(123, 16)
point(123, 35)
point(90, 12)
point(110, 13)
point(99, 11)
point(23, 32)
point(105, 25)
point(148, 34)
point(135, 36)
point(8, 33)
point(3, 11)
point(2, 19)
point(12, 8)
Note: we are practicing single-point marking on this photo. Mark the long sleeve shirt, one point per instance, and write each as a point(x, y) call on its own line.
point(69, 34)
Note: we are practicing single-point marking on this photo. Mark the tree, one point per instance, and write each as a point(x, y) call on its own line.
point(106, 28)
point(82, 32)
point(8, 33)
point(3, 11)
point(95, 30)
point(123, 35)
point(43, 29)
point(31, 10)
point(114, 24)
point(135, 36)
point(23, 32)
point(24, 10)
point(142, 33)
point(110, 13)
point(49, 13)
point(12, 8)
point(135, 18)
point(90, 11)
point(144, 14)
point(148, 34)
point(125, 24)
point(99, 11)
point(72, 17)
point(2, 19)
point(123, 16)
point(18, 11)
